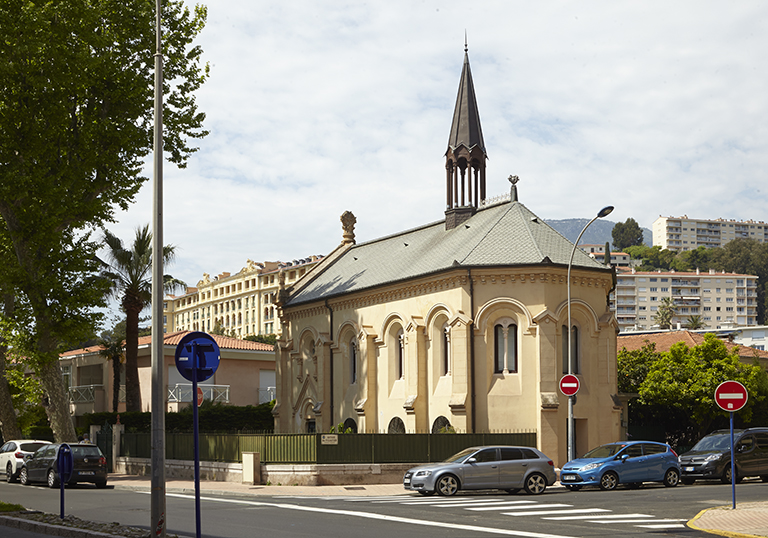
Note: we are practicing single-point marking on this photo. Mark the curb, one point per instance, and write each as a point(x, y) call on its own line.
point(50, 530)
point(731, 534)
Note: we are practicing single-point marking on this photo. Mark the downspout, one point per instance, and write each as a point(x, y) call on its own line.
point(472, 349)
point(330, 335)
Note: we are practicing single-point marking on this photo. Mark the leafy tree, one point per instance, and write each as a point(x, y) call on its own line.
point(270, 339)
point(76, 117)
point(130, 270)
point(665, 313)
point(676, 388)
point(695, 322)
point(626, 234)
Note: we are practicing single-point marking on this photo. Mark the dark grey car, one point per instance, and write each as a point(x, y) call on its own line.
point(510, 468)
point(90, 465)
point(711, 457)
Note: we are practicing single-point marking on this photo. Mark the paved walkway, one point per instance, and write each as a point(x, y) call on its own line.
point(749, 519)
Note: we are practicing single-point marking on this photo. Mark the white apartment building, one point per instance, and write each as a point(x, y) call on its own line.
point(618, 259)
point(683, 233)
point(722, 300)
point(243, 304)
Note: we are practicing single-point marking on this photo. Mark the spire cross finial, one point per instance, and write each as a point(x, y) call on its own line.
point(466, 48)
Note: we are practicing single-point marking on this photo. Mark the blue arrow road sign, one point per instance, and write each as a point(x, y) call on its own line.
point(197, 353)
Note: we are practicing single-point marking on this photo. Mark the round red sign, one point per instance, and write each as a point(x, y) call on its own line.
point(731, 396)
point(569, 384)
point(199, 396)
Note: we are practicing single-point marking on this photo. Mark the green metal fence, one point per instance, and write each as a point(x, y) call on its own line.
point(321, 448)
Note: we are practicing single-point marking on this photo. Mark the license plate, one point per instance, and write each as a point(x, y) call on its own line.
point(689, 469)
point(569, 478)
point(85, 473)
point(407, 481)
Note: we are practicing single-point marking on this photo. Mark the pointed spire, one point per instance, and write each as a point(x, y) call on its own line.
point(465, 129)
point(465, 157)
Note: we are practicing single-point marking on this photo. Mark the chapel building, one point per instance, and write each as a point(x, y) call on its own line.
point(460, 324)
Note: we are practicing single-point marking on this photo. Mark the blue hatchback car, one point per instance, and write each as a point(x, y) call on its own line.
point(630, 462)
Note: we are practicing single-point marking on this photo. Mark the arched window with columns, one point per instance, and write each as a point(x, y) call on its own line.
point(574, 347)
point(505, 346)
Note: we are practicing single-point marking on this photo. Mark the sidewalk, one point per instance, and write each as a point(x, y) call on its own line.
point(748, 520)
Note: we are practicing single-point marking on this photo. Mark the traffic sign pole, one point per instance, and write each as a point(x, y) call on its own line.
point(733, 467)
point(196, 430)
point(731, 396)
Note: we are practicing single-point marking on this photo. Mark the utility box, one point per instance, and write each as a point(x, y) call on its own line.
point(251, 468)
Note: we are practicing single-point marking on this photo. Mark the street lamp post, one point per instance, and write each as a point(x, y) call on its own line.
point(602, 213)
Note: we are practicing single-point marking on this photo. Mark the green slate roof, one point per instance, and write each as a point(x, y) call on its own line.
point(507, 234)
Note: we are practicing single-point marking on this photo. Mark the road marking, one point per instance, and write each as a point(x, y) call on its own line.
point(548, 512)
point(492, 505)
point(456, 502)
point(591, 517)
point(526, 507)
point(648, 520)
point(369, 515)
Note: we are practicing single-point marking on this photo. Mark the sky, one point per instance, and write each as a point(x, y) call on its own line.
point(315, 108)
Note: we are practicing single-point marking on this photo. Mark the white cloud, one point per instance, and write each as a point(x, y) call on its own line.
point(319, 107)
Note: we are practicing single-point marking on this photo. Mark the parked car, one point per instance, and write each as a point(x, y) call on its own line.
point(90, 465)
point(631, 462)
point(12, 455)
point(710, 458)
point(510, 468)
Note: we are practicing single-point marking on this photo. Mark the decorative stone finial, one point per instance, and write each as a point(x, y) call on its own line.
point(348, 221)
point(513, 191)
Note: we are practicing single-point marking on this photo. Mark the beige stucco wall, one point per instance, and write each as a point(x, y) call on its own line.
point(313, 352)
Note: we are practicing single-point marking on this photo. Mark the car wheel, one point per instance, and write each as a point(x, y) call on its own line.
point(102, 484)
point(726, 479)
point(9, 473)
point(671, 478)
point(535, 484)
point(512, 491)
point(609, 481)
point(447, 485)
point(23, 477)
point(53, 481)
point(573, 488)
point(687, 481)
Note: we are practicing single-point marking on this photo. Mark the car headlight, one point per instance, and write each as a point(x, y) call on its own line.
point(423, 473)
point(712, 457)
point(591, 466)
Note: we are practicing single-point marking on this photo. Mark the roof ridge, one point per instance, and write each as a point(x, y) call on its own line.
point(488, 232)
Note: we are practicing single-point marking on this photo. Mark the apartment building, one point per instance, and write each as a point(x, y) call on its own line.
point(683, 233)
point(243, 304)
point(722, 299)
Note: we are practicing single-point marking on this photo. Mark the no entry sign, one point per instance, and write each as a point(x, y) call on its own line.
point(731, 396)
point(569, 384)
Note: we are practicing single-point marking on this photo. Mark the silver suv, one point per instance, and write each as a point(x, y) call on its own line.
point(510, 468)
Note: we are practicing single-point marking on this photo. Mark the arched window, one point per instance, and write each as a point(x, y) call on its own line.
point(353, 361)
point(446, 349)
point(441, 425)
point(396, 425)
point(505, 347)
point(400, 357)
point(574, 350)
point(350, 426)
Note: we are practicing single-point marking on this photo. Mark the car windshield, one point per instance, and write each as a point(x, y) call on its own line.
point(713, 442)
point(604, 451)
point(461, 456)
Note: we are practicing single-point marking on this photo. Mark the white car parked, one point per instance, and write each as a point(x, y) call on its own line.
point(12, 456)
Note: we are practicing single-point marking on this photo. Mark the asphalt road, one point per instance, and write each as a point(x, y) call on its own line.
point(557, 513)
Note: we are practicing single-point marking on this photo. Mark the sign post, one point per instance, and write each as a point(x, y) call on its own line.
point(731, 396)
point(64, 463)
point(197, 359)
point(569, 385)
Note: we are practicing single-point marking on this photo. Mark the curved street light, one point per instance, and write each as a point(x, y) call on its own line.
point(602, 213)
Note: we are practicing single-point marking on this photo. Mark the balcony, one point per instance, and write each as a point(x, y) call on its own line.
point(182, 393)
point(84, 393)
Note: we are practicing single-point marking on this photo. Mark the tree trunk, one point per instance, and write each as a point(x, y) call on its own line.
point(57, 402)
point(115, 382)
point(8, 421)
point(132, 386)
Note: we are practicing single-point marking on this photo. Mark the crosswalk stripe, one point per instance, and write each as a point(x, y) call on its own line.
point(547, 512)
point(523, 507)
point(667, 526)
point(594, 517)
point(455, 502)
point(491, 505)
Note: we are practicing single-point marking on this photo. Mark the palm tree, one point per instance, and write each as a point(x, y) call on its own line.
point(112, 349)
point(131, 273)
point(695, 322)
point(665, 313)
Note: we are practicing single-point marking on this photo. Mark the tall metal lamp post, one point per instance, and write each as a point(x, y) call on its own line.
point(602, 213)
